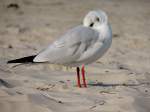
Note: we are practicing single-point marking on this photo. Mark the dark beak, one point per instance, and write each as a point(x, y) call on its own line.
point(91, 25)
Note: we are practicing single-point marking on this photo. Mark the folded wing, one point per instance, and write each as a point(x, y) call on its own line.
point(70, 47)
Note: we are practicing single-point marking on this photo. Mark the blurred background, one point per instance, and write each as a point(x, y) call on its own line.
point(28, 26)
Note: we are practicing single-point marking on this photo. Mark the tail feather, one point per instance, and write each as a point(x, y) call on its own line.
point(28, 59)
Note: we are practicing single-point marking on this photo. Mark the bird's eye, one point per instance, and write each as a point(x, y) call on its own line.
point(97, 19)
point(91, 25)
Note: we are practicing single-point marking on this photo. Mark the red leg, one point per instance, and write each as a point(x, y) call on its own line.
point(83, 77)
point(78, 77)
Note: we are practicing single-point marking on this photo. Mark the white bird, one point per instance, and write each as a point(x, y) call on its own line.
point(80, 46)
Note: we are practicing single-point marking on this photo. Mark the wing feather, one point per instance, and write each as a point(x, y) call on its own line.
point(69, 47)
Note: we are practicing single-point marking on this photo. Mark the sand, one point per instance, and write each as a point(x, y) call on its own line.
point(118, 82)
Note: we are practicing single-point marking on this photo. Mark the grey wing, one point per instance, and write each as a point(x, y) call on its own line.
point(69, 47)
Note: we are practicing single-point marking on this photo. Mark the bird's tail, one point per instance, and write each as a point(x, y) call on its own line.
point(28, 59)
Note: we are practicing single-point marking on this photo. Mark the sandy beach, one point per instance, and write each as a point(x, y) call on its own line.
point(118, 82)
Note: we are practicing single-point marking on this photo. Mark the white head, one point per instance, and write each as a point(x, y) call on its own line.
point(95, 19)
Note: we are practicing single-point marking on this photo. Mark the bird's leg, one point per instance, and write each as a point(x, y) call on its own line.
point(78, 77)
point(83, 76)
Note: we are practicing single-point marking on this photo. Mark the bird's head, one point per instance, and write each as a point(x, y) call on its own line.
point(95, 19)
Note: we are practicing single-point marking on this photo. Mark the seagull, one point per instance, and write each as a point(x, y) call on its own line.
point(80, 46)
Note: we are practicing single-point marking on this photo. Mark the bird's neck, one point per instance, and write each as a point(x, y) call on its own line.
point(101, 28)
point(104, 29)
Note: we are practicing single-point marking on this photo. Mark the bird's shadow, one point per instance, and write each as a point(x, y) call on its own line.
point(111, 85)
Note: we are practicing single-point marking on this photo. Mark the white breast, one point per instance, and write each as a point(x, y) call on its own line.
point(106, 38)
